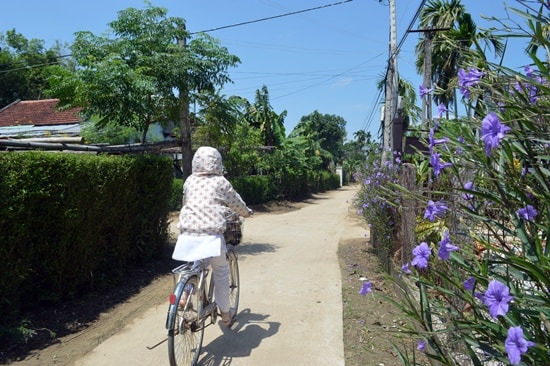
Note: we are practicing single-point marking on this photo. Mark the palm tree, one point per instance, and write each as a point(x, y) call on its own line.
point(442, 16)
point(540, 31)
point(453, 34)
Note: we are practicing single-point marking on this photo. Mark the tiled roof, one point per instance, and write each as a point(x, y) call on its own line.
point(38, 113)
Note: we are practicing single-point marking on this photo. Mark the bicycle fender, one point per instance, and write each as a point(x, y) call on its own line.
point(173, 308)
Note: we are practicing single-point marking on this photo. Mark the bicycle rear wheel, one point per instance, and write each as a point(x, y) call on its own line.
point(187, 329)
point(234, 285)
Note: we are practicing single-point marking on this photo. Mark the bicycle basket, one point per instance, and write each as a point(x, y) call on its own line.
point(233, 230)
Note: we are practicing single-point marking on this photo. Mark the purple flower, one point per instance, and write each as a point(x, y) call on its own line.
point(421, 346)
point(445, 247)
point(433, 141)
point(434, 209)
point(441, 109)
point(366, 288)
point(492, 131)
point(527, 213)
point(468, 79)
point(496, 298)
point(435, 162)
point(421, 254)
point(459, 150)
point(530, 89)
point(469, 186)
point(405, 268)
point(469, 284)
point(516, 345)
point(424, 91)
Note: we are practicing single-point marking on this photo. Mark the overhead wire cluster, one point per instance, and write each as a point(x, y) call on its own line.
point(316, 78)
point(322, 78)
point(312, 80)
point(370, 117)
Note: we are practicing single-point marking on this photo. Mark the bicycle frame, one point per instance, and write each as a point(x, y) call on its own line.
point(185, 271)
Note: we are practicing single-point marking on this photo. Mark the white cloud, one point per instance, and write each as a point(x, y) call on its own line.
point(342, 82)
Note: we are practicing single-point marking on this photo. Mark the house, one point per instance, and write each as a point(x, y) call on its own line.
point(38, 119)
point(38, 124)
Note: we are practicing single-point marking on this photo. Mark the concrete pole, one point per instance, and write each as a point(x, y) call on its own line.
point(391, 88)
point(185, 123)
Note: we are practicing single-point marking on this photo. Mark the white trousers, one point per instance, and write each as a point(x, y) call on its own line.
point(220, 274)
point(212, 249)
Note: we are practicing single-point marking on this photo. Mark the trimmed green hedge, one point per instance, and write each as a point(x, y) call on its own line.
point(70, 222)
point(291, 186)
point(254, 189)
point(176, 197)
point(260, 189)
point(265, 188)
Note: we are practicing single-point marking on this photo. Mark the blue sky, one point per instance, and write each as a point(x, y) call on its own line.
point(329, 59)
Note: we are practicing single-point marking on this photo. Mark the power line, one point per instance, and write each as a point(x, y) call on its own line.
point(368, 122)
point(323, 81)
point(272, 17)
point(192, 33)
point(32, 66)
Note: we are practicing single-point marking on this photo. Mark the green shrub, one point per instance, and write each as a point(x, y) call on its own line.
point(254, 189)
point(176, 196)
point(72, 222)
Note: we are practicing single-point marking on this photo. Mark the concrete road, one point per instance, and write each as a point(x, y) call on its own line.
point(290, 310)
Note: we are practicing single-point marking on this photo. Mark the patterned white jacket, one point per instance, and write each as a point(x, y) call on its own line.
point(207, 195)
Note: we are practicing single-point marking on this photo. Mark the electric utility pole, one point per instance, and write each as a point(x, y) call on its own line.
point(185, 123)
point(390, 107)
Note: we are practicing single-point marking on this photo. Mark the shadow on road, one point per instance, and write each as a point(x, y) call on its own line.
point(239, 341)
point(255, 248)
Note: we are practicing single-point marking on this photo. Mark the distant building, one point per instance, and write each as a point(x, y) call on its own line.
point(38, 119)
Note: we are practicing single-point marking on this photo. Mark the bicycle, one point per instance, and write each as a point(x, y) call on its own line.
point(192, 305)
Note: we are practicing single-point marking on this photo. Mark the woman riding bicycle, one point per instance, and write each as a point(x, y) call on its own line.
point(207, 197)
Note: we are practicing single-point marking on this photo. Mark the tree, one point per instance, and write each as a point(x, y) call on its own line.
point(305, 138)
point(109, 133)
point(25, 66)
point(262, 116)
point(539, 35)
point(144, 74)
point(216, 121)
point(328, 131)
point(407, 91)
point(357, 151)
point(454, 33)
point(221, 123)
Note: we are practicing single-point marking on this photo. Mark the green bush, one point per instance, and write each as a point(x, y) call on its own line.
point(72, 222)
point(176, 196)
point(254, 189)
point(260, 189)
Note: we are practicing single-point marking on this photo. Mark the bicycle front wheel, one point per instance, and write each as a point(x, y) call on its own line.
point(234, 284)
point(187, 328)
